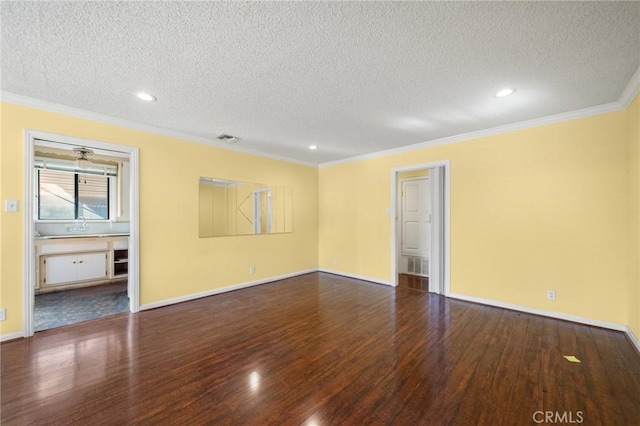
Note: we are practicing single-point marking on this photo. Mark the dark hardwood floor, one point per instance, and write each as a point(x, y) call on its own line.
point(321, 350)
point(415, 282)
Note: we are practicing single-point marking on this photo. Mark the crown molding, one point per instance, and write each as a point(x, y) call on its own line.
point(628, 95)
point(536, 122)
point(631, 91)
point(107, 119)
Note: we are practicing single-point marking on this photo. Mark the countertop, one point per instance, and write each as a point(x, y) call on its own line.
point(54, 237)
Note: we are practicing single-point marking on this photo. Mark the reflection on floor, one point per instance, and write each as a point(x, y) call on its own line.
point(415, 282)
point(71, 306)
point(321, 349)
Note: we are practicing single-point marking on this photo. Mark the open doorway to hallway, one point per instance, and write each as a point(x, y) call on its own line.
point(420, 227)
point(414, 228)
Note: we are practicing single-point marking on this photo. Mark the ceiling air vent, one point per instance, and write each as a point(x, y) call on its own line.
point(228, 138)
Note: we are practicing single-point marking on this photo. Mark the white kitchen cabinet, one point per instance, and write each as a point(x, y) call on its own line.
point(59, 269)
point(92, 266)
point(69, 268)
point(74, 262)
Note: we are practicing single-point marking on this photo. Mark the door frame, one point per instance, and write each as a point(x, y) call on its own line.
point(29, 261)
point(446, 273)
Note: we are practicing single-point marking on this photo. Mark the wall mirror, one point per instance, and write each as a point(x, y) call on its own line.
point(240, 208)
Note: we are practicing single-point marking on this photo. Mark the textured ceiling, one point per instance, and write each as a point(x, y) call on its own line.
point(350, 77)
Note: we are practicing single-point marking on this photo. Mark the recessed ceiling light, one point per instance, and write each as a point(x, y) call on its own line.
point(146, 96)
point(505, 92)
point(313, 147)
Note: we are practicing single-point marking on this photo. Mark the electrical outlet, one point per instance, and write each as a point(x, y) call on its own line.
point(335, 260)
point(252, 270)
point(3, 314)
point(551, 294)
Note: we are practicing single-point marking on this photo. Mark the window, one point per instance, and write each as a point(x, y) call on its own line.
point(69, 196)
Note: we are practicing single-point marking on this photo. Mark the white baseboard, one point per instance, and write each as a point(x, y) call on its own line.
point(11, 336)
point(214, 291)
point(541, 312)
point(356, 276)
point(634, 339)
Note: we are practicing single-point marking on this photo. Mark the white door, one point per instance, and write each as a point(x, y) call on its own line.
point(92, 266)
point(60, 269)
point(416, 217)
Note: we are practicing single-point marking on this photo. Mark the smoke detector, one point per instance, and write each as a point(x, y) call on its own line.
point(228, 138)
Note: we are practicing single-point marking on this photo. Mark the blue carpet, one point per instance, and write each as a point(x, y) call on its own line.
point(71, 306)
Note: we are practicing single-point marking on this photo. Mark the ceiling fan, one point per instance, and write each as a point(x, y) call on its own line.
point(83, 154)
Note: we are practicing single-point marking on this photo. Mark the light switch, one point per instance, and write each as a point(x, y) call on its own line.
point(11, 206)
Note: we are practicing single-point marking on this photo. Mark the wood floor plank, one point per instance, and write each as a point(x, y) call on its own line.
point(319, 349)
point(613, 354)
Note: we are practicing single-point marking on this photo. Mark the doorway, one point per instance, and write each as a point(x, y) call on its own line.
point(81, 230)
point(420, 226)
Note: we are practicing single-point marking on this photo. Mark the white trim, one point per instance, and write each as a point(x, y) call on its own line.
point(541, 312)
point(113, 155)
point(11, 336)
point(133, 269)
point(215, 291)
point(631, 91)
point(356, 276)
point(29, 261)
point(447, 219)
point(438, 198)
point(634, 339)
point(107, 119)
point(536, 122)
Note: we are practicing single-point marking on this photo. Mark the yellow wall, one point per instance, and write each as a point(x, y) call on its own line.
point(174, 261)
point(531, 210)
point(633, 118)
point(553, 207)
